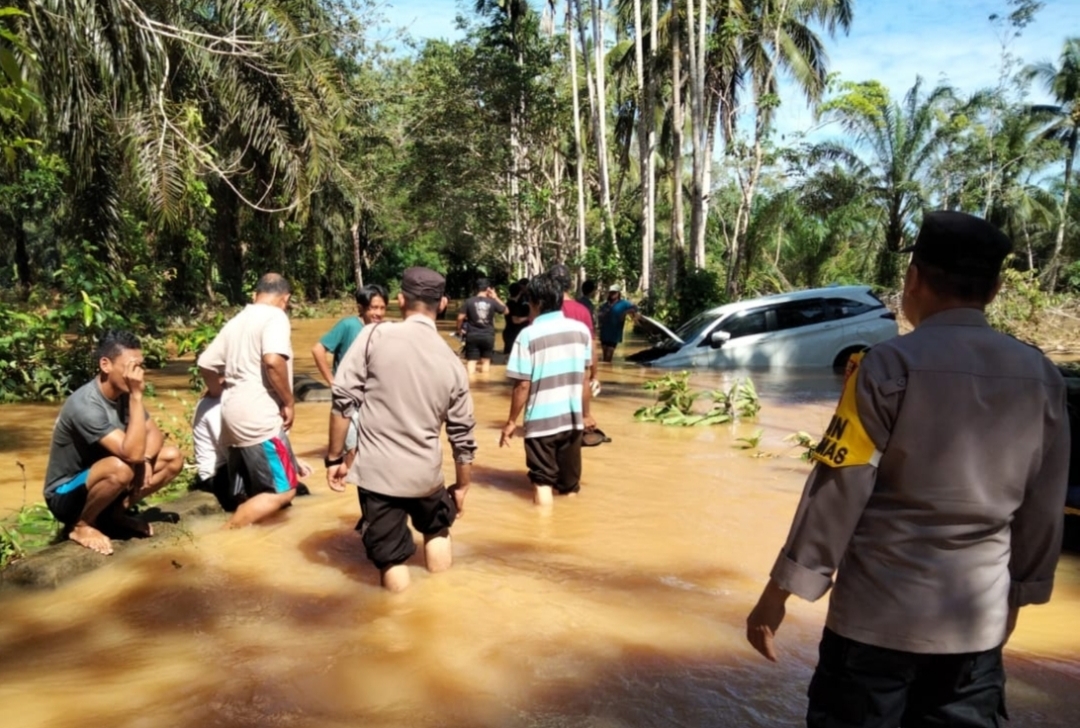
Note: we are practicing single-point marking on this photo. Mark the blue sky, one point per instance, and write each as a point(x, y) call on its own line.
point(892, 41)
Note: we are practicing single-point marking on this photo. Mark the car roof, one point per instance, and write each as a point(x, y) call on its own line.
point(827, 292)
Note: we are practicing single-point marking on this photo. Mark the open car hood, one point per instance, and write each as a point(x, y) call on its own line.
point(653, 326)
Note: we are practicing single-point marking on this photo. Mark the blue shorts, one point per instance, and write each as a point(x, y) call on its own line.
point(67, 500)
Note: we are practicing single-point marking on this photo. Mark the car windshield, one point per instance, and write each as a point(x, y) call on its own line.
point(695, 326)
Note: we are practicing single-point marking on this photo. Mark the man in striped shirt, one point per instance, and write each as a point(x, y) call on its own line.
point(549, 363)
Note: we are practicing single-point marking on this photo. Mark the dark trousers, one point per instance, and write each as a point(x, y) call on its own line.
point(861, 686)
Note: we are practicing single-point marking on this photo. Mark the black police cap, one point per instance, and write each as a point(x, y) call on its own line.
point(960, 243)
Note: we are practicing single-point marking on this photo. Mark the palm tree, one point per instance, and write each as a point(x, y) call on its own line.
point(144, 98)
point(1063, 83)
point(896, 146)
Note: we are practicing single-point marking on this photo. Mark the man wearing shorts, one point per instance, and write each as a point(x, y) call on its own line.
point(613, 320)
point(253, 352)
point(478, 313)
point(405, 383)
point(106, 453)
point(549, 364)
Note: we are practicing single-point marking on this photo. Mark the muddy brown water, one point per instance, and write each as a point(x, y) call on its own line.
point(623, 607)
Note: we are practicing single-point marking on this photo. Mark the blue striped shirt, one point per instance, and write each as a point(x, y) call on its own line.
point(552, 354)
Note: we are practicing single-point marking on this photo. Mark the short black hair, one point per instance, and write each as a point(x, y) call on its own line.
point(545, 291)
point(368, 292)
point(515, 288)
point(588, 287)
point(561, 273)
point(972, 287)
point(523, 282)
point(482, 284)
point(413, 302)
point(113, 342)
point(273, 284)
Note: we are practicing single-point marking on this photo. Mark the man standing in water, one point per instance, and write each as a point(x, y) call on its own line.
point(371, 303)
point(577, 311)
point(253, 355)
point(549, 364)
point(613, 320)
point(106, 453)
point(478, 313)
point(405, 383)
point(936, 500)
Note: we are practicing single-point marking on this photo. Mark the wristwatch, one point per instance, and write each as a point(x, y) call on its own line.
point(327, 462)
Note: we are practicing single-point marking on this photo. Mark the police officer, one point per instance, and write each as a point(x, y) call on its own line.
point(936, 501)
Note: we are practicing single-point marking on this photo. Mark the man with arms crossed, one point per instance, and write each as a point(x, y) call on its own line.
point(253, 353)
point(549, 364)
point(106, 453)
point(405, 382)
point(936, 501)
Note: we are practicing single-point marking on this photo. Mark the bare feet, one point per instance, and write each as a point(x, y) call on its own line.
point(91, 538)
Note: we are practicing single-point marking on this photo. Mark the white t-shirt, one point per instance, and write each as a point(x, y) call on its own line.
point(250, 413)
point(210, 451)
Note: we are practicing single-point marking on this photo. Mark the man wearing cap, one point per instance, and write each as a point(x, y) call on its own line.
point(613, 320)
point(405, 383)
point(936, 502)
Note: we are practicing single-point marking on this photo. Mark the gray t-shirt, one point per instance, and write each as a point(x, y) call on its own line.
point(86, 417)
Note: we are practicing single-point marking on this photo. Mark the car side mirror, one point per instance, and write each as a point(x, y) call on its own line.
point(718, 339)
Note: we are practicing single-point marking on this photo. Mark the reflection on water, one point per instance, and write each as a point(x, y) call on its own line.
point(623, 607)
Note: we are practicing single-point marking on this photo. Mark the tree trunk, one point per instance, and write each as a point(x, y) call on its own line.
point(578, 142)
point(678, 252)
point(1053, 268)
point(650, 116)
point(601, 120)
point(645, 280)
point(230, 252)
point(699, 131)
point(358, 273)
point(23, 270)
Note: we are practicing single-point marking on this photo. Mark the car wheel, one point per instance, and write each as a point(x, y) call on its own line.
point(840, 362)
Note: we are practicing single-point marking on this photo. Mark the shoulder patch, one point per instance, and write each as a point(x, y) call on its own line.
point(846, 441)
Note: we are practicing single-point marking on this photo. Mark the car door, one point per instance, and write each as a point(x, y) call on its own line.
point(808, 334)
point(748, 332)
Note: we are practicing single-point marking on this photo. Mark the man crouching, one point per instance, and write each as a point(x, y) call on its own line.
point(106, 453)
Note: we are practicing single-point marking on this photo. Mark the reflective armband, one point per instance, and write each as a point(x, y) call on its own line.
point(846, 441)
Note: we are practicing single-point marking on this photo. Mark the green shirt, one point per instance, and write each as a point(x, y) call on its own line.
point(338, 339)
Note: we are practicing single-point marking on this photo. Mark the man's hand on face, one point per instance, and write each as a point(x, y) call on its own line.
point(133, 376)
point(335, 477)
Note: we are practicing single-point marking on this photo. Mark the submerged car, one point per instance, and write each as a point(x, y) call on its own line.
point(820, 327)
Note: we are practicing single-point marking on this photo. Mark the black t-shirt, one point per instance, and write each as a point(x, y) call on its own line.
point(480, 313)
point(520, 309)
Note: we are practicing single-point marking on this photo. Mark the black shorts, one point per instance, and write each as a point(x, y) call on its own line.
point(861, 686)
point(555, 460)
point(479, 346)
point(67, 500)
point(383, 526)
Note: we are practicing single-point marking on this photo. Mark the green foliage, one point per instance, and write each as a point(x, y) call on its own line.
point(31, 528)
point(675, 403)
point(751, 442)
point(803, 440)
point(193, 341)
point(1019, 303)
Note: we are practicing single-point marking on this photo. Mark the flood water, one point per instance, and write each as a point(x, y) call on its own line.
point(624, 606)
